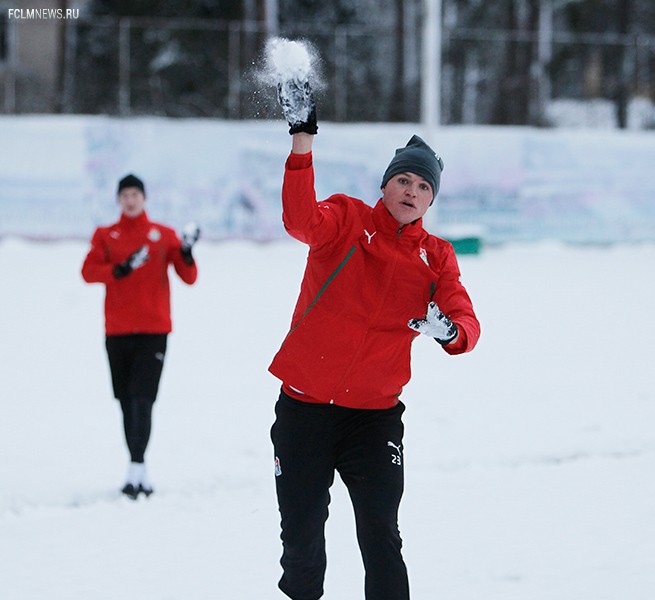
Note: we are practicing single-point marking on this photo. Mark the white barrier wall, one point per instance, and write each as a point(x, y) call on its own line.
point(58, 176)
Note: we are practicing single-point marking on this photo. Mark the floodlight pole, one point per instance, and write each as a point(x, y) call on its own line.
point(431, 66)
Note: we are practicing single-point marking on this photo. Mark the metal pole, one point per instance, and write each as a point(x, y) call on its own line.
point(431, 67)
point(341, 73)
point(124, 99)
point(10, 86)
point(70, 45)
point(271, 17)
point(544, 55)
point(233, 79)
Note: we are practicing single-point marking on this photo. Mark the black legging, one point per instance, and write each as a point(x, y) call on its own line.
point(137, 422)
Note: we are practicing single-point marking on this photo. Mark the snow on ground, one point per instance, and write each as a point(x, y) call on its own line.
point(529, 463)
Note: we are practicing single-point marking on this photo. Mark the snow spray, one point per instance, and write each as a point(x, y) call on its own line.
point(286, 60)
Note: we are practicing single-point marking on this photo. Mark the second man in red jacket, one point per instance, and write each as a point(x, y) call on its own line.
point(131, 258)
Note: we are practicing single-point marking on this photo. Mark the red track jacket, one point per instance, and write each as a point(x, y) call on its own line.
point(349, 343)
point(139, 302)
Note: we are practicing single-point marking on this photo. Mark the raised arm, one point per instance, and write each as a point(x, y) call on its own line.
point(306, 220)
point(311, 222)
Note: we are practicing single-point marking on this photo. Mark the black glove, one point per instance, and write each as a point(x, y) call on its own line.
point(435, 324)
point(190, 235)
point(135, 260)
point(297, 101)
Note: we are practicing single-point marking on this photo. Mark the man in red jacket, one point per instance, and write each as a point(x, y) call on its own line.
point(374, 281)
point(131, 257)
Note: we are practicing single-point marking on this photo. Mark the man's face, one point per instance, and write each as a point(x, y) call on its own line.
point(407, 197)
point(132, 201)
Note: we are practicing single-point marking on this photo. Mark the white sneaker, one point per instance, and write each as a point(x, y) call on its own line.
point(135, 473)
point(144, 483)
point(137, 481)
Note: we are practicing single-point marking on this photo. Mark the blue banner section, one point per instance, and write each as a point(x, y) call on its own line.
point(58, 177)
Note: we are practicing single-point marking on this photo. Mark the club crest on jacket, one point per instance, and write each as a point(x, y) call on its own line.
point(422, 252)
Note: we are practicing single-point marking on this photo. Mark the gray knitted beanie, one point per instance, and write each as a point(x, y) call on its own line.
point(418, 158)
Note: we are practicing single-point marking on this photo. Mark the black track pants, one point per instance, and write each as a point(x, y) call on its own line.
point(365, 446)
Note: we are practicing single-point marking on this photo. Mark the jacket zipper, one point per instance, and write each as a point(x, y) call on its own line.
point(371, 320)
point(328, 281)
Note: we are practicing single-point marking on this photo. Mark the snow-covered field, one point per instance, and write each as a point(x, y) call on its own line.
point(529, 462)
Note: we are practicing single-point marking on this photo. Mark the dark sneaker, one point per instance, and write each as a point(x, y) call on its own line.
point(130, 491)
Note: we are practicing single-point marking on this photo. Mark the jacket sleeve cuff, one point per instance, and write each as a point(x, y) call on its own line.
point(460, 345)
point(299, 161)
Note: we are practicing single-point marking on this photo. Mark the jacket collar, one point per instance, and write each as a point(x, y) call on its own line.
point(385, 223)
point(139, 221)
